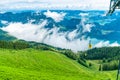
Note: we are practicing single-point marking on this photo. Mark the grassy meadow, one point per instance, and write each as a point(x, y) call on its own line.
point(31, 64)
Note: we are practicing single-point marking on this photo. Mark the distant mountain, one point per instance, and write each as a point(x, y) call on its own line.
point(5, 36)
point(75, 25)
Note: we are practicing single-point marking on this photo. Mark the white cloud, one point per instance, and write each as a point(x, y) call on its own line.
point(72, 34)
point(4, 22)
point(102, 44)
point(59, 40)
point(84, 14)
point(54, 15)
point(88, 27)
point(38, 33)
point(84, 19)
point(115, 44)
point(27, 31)
point(54, 4)
point(106, 44)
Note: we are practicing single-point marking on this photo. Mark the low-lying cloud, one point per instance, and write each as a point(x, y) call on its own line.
point(32, 32)
point(74, 40)
point(38, 33)
point(87, 27)
point(106, 43)
point(54, 15)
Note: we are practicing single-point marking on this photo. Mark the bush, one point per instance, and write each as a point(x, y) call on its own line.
point(90, 64)
point(104, 60)
point(82, 62)
point(70, 54)
point(110, 66)
point(42, 47)
point(100, 67)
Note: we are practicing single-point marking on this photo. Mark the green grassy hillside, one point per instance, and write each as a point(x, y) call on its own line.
point(30, 64)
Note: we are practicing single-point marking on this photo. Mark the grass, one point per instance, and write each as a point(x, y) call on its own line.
point(30, 64)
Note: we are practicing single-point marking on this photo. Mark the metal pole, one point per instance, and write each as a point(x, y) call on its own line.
point(110, 4)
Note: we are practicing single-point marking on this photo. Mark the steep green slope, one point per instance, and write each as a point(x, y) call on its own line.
point(30, 64)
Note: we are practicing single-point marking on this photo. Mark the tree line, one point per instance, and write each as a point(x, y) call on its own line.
point(14, 44)
point(107, 66)
point(108, 55)
point(101, 53)
point(75, 56)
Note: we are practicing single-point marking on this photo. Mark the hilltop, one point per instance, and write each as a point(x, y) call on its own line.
point(31, 64)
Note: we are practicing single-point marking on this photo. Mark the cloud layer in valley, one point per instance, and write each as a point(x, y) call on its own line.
point(54, 15)
point(74, 39)
point(38, 33)
point(32, 32)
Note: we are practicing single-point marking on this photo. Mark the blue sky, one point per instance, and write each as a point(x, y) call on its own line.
point(54, 4)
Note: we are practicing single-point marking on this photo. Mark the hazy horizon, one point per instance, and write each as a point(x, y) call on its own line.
point(54, 5)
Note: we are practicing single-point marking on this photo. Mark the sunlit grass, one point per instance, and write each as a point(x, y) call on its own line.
point(30, 64)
